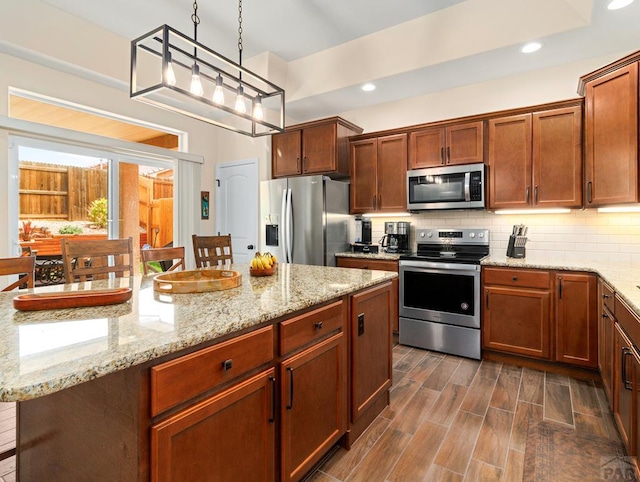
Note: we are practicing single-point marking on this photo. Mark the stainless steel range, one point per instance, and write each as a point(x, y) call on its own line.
point(440, 291)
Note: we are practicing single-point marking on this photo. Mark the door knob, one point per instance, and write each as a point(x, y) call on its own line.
point(250, 246)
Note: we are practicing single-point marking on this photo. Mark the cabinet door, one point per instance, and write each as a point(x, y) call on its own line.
point(426, 148)
point(465, 143)
point(286, 149)
point(611, 138)
point(576, 319)
point(370, 347)
point(314, 405)
point(605, 351)
point(623, 368)
point(199, 442)
point(392, 173)
point(510, 162)
point(364, 176)
point(557, 158)
point(319, 149)
point(516, 320)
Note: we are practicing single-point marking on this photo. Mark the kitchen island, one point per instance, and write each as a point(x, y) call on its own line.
point(100, 388)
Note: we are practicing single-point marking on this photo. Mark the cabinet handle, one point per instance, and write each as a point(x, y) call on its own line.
point(605, 297)
point(604, 315)
point(528, 194)
point(535, 195)
point(304, 161)
point(319, 325)
point(560, 287)
point(448, 155)
point(515, 278)
point(298, 168)
point(272, 419)
point(227, 364)
point(442, 155)
point(627, 384)
point(374, 202)
point(589, 192)
point(290, 405)
point(379, 201)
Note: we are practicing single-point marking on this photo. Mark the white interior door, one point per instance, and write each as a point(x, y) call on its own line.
point(237, 206)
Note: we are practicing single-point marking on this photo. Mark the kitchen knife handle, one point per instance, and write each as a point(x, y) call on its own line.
point(273, 399)
point(560, 287)
point(528, 194)
point(442, 155)
point(290, 405)
point(535, 195)
point(589, 192)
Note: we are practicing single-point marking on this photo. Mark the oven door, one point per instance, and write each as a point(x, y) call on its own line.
point(440, 292)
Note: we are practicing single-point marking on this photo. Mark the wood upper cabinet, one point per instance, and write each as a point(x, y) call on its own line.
point(439, 146)
point(370, 348)
point(199, 443)
point(576, 319)
point(378, 174)
point(535, 160)
point(611, 138)
point(313, 405)
point(319, 147)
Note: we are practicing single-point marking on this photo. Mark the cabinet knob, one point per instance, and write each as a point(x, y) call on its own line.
point(319, 325)
point(515, 278)
point(227, 364)
point(605, 297)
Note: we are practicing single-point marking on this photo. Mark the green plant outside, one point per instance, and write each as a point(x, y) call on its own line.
point(70, 229)
point(98, 212)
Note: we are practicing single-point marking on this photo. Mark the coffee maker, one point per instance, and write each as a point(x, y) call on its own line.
point(396, 237)
point(363, 237)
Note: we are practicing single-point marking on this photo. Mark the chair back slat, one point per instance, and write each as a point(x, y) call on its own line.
point(91, 257)
point(22, 265)
point(162, 254)
point(212, 250)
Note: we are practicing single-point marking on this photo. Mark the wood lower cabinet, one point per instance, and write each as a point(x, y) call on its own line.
point(314, 403)
point(611, 136)
point(535, 159)
point(378, 174)
point(606, 322)
point(384, 265)
point(625, 370)
point(516, 311)
point(198, 443)
point(449, 145)
point(576, 319)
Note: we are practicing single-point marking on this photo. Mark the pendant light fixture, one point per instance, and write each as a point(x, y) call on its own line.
point(177, 73)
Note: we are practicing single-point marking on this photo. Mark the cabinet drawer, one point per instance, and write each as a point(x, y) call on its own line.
point(364, 263)
point(179, 380)
point(608, 296)
point(517, 277)
point(304, 329)
point(628, 321)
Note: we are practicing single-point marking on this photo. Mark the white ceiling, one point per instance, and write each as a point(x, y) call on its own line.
point(406, 47)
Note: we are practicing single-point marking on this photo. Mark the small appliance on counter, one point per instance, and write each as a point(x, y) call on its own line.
point(396, 237)
point(517, 242)
point(365, 248)
point(363, 230)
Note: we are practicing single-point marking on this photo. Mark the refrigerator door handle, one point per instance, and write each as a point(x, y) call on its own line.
point(283, 223)
point(289, 224)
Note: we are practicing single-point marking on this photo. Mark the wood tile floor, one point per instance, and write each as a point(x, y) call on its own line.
point(455, 419)
point(450, 419)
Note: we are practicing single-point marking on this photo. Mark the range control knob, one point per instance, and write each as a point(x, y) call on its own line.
point(472, 235)
point(430, 234)
point(481, 235)
point(422, 235)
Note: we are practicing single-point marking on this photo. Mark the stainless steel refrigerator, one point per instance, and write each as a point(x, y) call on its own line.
point(305, 219)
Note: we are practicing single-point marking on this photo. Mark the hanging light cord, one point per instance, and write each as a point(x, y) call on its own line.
point(196, 21)
point(240, 34)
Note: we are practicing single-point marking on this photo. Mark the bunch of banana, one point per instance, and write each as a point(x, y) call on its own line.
point(263, 261)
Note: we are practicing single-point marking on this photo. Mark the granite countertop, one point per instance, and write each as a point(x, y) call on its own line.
point(624, 278)
point(42, 352)
point(381, 256)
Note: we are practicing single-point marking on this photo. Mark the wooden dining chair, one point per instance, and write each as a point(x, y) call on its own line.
point(162, 254)
point(22, 265)
point(212, 250)
point(96, 258)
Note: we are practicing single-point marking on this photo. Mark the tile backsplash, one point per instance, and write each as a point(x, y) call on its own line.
point(585, 235)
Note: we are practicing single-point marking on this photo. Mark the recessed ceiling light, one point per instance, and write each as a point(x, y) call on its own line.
point(368, 87)
point(531, 47)
point(616, 4)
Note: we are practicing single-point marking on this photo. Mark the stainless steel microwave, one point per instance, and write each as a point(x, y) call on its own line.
point(448, 187)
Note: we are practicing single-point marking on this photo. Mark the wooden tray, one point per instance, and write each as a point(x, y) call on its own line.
point(263, 272)
point(71, 299)
point(197, 281)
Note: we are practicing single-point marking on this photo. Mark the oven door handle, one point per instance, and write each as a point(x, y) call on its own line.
point(438, 267)
point(467, 186)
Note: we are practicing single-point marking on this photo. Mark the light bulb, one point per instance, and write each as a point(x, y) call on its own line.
point(240, 105)
point(169, 74)
point(218, 93)
point(257, 108)
point(196, 83)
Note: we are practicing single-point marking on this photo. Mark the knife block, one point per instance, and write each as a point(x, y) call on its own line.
point(516, 246)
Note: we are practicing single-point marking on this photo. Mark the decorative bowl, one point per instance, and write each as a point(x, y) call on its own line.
point(197, 281)
point(263, 272)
